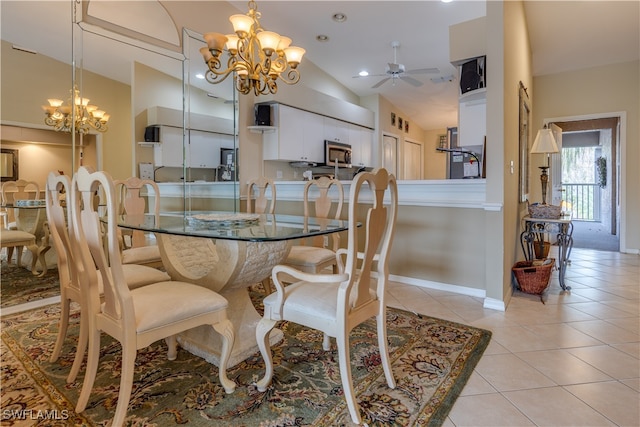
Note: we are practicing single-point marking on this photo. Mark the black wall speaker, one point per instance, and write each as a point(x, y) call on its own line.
point(263, 115)
point(472, 75)
point(152, 134)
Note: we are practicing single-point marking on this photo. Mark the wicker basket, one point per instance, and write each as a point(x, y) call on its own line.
point(533, 279)
point(545, 211)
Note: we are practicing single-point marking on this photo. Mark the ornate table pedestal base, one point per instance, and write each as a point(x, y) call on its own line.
point(228, 267)
point(32, 220)
point(203, 341)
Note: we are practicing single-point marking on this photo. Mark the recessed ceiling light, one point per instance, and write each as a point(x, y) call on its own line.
point(322, 37)
point(199, 76)
point(363, 73)
point(446, 1)
point(339, 17)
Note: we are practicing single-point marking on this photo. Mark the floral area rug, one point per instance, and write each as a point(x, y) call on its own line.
point(432, 360)
point(18, 285)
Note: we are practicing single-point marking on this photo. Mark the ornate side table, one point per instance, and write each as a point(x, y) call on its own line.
point(538, 226)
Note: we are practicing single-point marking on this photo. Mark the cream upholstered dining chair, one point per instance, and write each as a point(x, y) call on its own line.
point(59, 223)
point(19, 240)
point(316, 257)
point(131, 202)
point(135, 317)
point(10, 236)
point(262, 201)
point(337, 303)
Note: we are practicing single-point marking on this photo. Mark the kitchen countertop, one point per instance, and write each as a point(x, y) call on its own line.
point(446, 193)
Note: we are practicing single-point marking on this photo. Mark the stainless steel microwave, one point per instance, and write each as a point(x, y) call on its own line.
point(337, 153)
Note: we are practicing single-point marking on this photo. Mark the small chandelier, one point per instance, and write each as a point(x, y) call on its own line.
point(257, 57)
point(86, 116)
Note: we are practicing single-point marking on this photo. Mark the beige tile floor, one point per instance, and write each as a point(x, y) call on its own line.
point(573, 361)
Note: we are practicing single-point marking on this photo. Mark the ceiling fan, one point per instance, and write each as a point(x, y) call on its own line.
point(396, 71)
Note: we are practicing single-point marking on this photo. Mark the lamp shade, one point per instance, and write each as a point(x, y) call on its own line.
point(294, 54)
point(241, 24)
point(545, 142)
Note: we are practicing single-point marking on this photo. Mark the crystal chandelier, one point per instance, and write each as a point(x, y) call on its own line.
point(86, 116)
point(257, 57)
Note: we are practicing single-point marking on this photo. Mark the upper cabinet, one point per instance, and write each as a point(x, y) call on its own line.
point(361, 141)
point(472, 119)
point(202, 148)
point(336, 130)
point(168, 152)
point(300, 136)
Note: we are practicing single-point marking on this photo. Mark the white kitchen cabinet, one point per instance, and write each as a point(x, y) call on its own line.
point(336, 130)
point(298, 137)
point(361, 141)
point(472, 118)
point(204, 149)
point(169, 151)
point(313, 137)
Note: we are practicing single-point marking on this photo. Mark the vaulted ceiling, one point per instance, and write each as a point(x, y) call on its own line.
point(564, 35)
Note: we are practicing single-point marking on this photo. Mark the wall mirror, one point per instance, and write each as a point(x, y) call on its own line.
point(524, 131)
point(211, 117)
point(9, 164)
point(166, 91)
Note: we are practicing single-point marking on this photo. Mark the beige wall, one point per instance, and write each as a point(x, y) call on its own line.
point(432, 244)
point(385, 127)
point(599, 91)
point(30, 154)
point(435, 163)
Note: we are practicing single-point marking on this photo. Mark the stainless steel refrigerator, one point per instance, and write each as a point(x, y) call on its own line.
point(228, 169)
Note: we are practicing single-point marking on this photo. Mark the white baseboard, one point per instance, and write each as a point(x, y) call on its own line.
point(490, 303)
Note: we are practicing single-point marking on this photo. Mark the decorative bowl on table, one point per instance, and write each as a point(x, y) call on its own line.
point(24, 203)
point(223, 220)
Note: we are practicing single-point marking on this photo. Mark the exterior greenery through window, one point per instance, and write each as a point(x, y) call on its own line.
point(582, 179)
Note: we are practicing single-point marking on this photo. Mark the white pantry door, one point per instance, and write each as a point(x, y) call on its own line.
point(390, 154)
point(412, 160)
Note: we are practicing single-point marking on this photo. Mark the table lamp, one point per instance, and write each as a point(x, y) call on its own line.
point(545, 143)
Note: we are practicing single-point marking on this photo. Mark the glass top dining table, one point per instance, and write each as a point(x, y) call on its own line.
point(233, 226)
point(227, 252)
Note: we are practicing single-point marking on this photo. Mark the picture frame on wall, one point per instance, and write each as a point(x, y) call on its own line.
point(393, 119)
point(406, 126)
point(400, 123)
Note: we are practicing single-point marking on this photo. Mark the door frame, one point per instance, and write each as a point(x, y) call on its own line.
point(621, 167)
